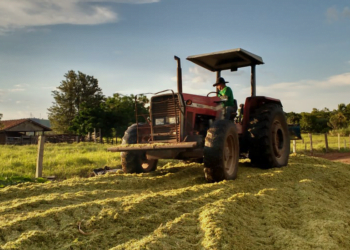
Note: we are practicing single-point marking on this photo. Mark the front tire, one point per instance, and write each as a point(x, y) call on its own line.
point(269, 137)
point(135, 161)
point(221, 152)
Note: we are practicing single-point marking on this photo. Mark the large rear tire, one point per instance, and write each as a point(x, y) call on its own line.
point(134, 161)
point(221, 152)
point(269, 137)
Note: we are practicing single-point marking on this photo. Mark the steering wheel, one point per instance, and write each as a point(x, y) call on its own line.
point(213, 92)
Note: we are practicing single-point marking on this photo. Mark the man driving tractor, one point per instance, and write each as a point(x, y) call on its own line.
point(226, 92)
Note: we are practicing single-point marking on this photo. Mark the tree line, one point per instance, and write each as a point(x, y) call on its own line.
point(79, 106)
point(324, 120)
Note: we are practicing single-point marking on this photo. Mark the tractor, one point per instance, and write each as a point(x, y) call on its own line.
point(191, 127)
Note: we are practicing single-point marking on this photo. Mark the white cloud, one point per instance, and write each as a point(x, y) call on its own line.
point(16, 90)
point(302, 96)
point(299, 96)
point(333, 14)
point(346, 12)
point(27, 13)
point(197, 81)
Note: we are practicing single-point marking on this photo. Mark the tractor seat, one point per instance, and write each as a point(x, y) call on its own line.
point(234, 112)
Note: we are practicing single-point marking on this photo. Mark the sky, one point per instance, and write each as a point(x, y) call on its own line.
point(129, 46)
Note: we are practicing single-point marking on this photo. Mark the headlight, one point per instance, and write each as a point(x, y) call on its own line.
point(159, 121)
point(172, 120)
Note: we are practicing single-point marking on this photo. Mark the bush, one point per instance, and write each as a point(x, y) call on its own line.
point(341, 131)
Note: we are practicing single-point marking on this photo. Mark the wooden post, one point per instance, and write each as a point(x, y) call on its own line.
point(95, 135)
point(89, 136)
point(338, 141)
point(344, 144)
point(311, 149)
point(294, 146)
point(326, 141)
point(39, 162)
point(100, 134)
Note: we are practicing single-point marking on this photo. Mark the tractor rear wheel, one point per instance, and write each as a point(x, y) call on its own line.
point(221, 152)
point(135, 161)
point(269, 137)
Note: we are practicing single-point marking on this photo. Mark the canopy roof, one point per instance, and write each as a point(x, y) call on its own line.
point(226, 59)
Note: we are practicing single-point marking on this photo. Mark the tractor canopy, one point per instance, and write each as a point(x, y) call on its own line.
point(226, 59)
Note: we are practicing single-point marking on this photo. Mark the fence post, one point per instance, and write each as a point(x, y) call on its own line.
point(95, 135)
point(338, 141)
point(294, 146)
point(311, 149)
point(39, 162)
point(326, 141)
point(100, 134)
point(345, 144)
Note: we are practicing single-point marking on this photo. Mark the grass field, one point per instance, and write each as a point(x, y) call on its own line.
point(319, 146)
point(61, 160)
point(79, 159)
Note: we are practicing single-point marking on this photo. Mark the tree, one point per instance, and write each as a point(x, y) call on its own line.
point(337, 121)
point(293, 118)
point(112, 116)
point(122, 110)
point(1, 125)
point(76, 91)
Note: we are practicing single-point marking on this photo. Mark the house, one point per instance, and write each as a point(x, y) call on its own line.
point(21, 131)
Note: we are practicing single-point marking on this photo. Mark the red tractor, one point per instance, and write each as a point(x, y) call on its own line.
point(191, 127)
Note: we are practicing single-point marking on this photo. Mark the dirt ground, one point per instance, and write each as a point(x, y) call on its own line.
point(338, 157)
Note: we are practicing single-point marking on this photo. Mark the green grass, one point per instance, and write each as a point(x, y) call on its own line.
point(79, 159)
point(60, 160)
point(319, 146)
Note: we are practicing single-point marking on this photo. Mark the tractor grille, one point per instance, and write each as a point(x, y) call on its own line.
point(165, 114)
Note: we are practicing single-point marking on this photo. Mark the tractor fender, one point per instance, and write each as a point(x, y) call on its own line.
point(254, 102)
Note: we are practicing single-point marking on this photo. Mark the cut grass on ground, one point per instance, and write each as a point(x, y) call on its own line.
point(302, 206)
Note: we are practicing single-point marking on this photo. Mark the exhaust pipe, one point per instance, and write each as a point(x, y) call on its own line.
point(179, 75)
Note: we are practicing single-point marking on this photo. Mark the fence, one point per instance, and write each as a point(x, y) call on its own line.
point(96, 136)
point(322, 143)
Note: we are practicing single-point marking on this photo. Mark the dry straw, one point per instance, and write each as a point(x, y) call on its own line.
point(302, 206)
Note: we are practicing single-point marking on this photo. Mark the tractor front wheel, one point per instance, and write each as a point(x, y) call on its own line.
point(221, 152)
point(135, 161)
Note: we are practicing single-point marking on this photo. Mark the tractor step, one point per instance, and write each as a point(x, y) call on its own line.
point(153, 146)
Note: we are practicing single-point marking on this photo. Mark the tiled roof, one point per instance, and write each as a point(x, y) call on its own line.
point(13, 123)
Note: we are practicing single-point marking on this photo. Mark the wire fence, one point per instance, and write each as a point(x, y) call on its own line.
point(321, 143)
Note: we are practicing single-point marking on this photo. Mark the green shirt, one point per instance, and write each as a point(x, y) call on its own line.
point(227, 91)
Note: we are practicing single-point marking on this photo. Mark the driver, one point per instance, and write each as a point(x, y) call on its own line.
point(225, 91)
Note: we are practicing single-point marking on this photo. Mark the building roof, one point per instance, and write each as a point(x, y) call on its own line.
point(8, 124)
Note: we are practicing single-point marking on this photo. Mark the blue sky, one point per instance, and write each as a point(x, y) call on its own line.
point(129, 45)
